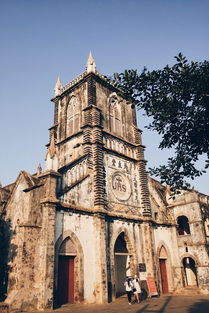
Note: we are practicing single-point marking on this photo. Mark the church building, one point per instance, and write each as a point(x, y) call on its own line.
point(73, 232)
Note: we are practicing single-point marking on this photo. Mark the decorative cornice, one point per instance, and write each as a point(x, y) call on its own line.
point(70, 137)
point(33, 187)
point(81, 78)
point(67, 188)
point(49, 173)
point(51, 200)
point(30, 225)
point(53, 126)
point(124, 156)
point(131, 218)
point(131, 144)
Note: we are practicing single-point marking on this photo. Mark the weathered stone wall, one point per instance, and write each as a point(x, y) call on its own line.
point(87, 232)
point(32, 242)
point(165, 236)
point(70, 150)
point(97, 236)
point(26, 216)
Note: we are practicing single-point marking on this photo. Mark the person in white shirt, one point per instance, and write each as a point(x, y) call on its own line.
point(129, 286)
point(136, 288)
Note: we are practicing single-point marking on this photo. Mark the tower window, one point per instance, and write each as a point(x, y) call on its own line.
point(183, 225)
point(73, 120)
point(115, 116)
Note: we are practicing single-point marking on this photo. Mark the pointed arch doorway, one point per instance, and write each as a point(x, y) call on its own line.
point(122, 264)
point(163, 269)
point(190, 272)
point(66, 272)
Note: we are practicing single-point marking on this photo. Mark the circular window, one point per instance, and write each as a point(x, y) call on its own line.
point(121, 186)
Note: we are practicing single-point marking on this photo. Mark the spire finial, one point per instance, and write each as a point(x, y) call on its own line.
point(39, 169)
point(57, 87)
point(91, 66)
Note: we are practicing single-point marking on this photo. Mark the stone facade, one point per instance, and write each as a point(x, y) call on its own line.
point(73, 232)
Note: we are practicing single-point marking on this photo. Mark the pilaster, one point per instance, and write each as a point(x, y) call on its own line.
point(148, 248)
point(47, 245)
point(146, 208)
point(101, 263)
point(47, 255)
point(93, 143)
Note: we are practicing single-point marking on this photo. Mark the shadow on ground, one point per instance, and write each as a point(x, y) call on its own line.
point(165, 304)
point(201, 306)
point(146, 309)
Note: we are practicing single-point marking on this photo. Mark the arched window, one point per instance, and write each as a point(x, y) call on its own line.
point(183, 225)
point(67, 247)
point(163, 253)
point(115, 116)
point(120, 245)
point(73, 121)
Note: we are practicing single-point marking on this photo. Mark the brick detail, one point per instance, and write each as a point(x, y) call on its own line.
point(98, 168)
point(87, 117)
point(145, 202)
point(96, 116)
point(56, 112)
point(91, 91)
point(87, 146)
point(137, 136)
point(140, 153)
point(146, 209)
point(93, 143)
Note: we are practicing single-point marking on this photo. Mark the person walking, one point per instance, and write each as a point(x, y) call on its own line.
point(136, 288)
point(129, 286)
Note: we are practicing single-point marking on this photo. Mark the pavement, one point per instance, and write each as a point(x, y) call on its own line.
point(163, 304)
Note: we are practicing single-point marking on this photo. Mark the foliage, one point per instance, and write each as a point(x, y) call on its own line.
point(177, 99)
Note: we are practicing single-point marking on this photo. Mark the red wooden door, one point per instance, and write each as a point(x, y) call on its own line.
point(66, 279)
point(164, 278)
point(71, 280)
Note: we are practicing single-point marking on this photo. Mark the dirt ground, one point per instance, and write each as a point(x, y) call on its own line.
point(163, 304)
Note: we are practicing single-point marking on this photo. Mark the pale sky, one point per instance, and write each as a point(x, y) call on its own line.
point(41, 39)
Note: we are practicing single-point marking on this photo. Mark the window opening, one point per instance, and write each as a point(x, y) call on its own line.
point(183, 225)
point(73, 121)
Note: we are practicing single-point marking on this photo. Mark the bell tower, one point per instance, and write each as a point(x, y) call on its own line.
point(96, 146)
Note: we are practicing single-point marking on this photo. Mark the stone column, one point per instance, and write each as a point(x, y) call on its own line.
point(101, 261)
point(47, 255)
point(148, 248)
point(47, 246)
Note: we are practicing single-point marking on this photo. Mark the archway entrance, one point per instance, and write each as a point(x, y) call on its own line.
point(163, 269)
point(190, 273)
point(66, 272)
point(122, 264)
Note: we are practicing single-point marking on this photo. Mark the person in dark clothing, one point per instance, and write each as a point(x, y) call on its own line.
point(129, 286)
